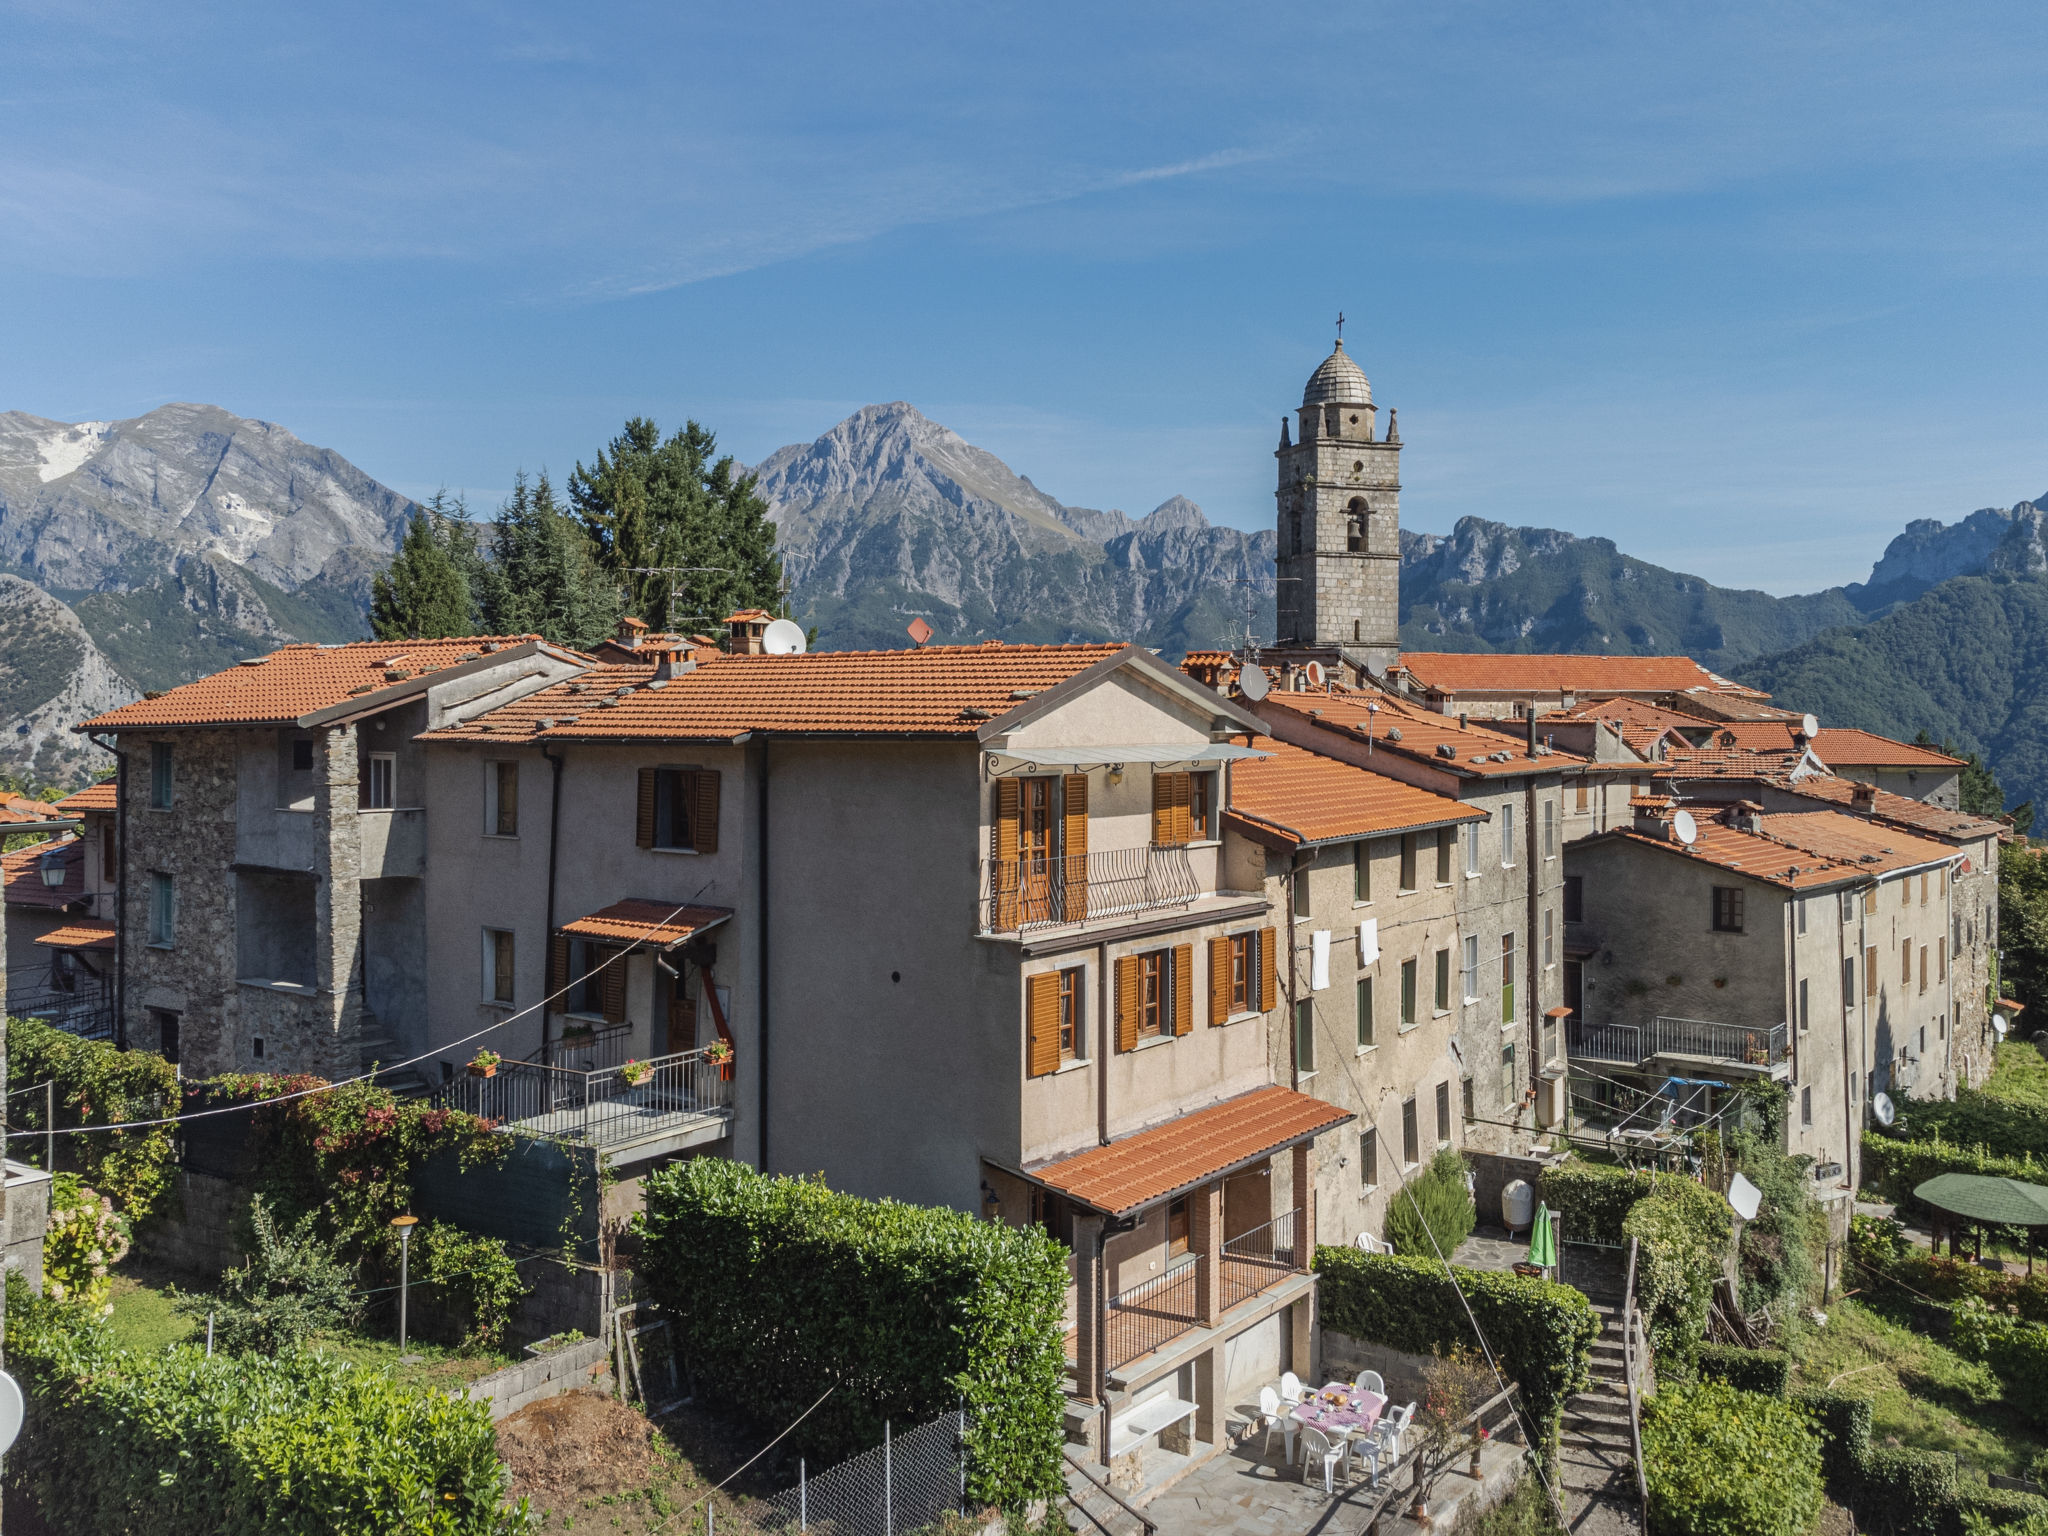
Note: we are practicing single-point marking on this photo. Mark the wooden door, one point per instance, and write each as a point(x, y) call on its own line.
point(1035, 848)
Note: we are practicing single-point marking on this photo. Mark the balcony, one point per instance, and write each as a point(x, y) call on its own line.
point(671, 1103)
point(1019, 895)
point(393, 843)
point(1151, 1315)
point(1751, 1050)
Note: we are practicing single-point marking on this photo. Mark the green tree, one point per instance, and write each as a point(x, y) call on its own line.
point(2023, 924)
point(1978, 786)
point(646, 502)
point(291, 1288)
point(426, 594)
point(543, 576)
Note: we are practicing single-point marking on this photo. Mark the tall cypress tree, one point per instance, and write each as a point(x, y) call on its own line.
point(646, 502)
point(545, 578)
point(426, 593)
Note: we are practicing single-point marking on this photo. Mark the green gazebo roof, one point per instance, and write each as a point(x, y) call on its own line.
point(1979, 1197)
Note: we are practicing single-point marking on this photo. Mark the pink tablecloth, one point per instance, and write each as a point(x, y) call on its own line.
point(1338, 1410)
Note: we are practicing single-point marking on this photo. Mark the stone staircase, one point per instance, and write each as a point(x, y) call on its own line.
point(1595, 1461)
point(376, 1046)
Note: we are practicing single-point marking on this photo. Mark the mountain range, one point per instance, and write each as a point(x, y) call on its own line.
point(136, 554)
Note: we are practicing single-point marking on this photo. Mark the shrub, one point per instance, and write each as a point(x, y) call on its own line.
point(1542, 1332)
point(1683, 1228)
point(83, 1238)
point(1891, 1266)
point(1432, 1213)
point(1720, 1462)
point(1905, 1492)
point(1768, 1371)
point(790, 1288)
point(478, 1281)
point(178, 1444)
point(2017, 1352)
point(291, 1288)
point(1977, 1118)
point(99, 1084)
point(1843, 1421)
point(1594, 1198)
point(1779, 1251)
point(2006, 1510)
point(1894, 1167)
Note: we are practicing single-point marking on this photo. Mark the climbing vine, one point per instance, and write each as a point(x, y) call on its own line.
point(97, 1084)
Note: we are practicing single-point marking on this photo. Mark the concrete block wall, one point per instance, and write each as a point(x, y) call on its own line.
point(587, 1364)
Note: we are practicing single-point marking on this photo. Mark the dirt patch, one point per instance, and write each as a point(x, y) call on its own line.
point(580, 1446)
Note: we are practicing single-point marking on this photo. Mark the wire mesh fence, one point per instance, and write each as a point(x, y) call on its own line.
point(909, 1484)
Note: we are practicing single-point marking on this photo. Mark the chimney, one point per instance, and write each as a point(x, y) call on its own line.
point(1863, 799)
point(1532, 730)
point(674, 662)
point(744, 631)
point(1653, 815)
point(630, 631)
point(1744, 816)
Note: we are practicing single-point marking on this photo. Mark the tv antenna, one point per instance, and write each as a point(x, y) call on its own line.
point(676, 584)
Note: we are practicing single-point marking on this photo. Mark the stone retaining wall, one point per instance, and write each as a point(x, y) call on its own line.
point(587, 1364)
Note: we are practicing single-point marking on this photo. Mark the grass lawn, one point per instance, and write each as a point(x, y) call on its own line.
point(2019, 1072)
point(1923, 1394)
point(143, 1320)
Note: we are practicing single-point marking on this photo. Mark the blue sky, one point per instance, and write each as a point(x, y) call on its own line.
point(1743, 289)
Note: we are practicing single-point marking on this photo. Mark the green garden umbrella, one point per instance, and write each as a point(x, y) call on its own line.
point(1980, 1197)
point(1542, 1241)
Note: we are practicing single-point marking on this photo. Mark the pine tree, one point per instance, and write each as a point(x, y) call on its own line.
point(646, 503)
point(544, 577)
point(426, 593)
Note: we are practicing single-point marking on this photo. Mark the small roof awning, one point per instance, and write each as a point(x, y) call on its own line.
point(1149, 1166)
point(633, 921)
point(81, 933)
point(1175, 754)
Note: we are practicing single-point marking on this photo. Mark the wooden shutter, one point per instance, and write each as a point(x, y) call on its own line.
point(558, 963)
point(643, 833)
point(1172, 821)
point(614, 988)
point(1183, 988)
point(704, 823)
point(1042, 1023)
point(1074, 846)
point(1004, 879)
point(1219, 981)
point(1269, 965)
point(1129, 1001)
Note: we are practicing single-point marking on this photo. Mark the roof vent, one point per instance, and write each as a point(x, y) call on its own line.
point(544, 723)
point(252, 661)
point(976, 712)
point(1445, 749)
point(1394, 734)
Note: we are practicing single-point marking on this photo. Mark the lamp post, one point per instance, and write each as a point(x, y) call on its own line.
point(405, 1224)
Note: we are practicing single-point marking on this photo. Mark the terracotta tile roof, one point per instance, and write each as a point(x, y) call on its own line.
point(952, 690)
point(1796, 850)
point(24, 879)
point(1296, 796)
point(100, 797)
point(1146, 1167)
point(21, 810)
point(1727, 763)
point(653, 922)
point(1418, 733)
point(295, 681)
point(1501, 672)
point(1897, 810)
point(80, 933)
point(521, 719)
point(1839, 746)
point(1642, 725)
point(1852, 840)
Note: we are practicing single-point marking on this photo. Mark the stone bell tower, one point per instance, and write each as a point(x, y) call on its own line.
point(1339, 503)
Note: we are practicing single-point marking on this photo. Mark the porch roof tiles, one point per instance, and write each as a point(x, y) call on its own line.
point(1148, 1166)
point(651, 922)
point(100, 797)
point(1295, 797)
point(24, 879)
point(81, 933)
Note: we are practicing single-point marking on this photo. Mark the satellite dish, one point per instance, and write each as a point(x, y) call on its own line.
point(1252, 681)
point(1315, 673)
point(785, 637)
point(10, 1411)
point(1998, 1028)
point(1745, 1196)
point(1881, 1106)
point(1683, 828)
point(1810, 725)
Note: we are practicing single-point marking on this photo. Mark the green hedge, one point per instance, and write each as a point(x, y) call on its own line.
point(1893, 1167)
point(1976, 1118)
point(177, 1444)
point(1683, 1229)
point(1768, 1371)
point(1542, 1332)
point(97, 1084)
point(785, 1288)
point(1898, 1491)
point(1594, 1198)
point(1721, 1462)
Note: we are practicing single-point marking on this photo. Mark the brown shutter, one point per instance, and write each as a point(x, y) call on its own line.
point(558, 963)
point(1183, 807)
point(644, 830)
point(704, 829)
point(1219, 981)
point(1269, 965)
point(1183, 988)
point(1004, 875)
point(615, 988)
point(1129, 1002)
point(1162, 808)
point(1042, 1023)
point(1074, 845)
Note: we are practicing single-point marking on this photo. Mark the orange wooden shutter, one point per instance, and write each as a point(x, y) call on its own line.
point(704, 831)
point(1269, 966)
point(1130, 1002)
point(1183, 988)
point(1074, 844)
point(1219, 980)
point(615, 988)
point(1183, 807)
point(644, 830)
point(1042, 1024)
point(558, 963)
point(1172, 794)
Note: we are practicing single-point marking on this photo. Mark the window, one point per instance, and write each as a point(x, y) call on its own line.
point(1242, 960)
point(1301, 901)
point(1202, 806)
point(381, 792)
point(1799, 907)
point(302, 755)
point(1582, 805)
point(1070, 995)
point(1361, 871)
point(1173, 796)
point(1411, 1148)
point(1154, 1012)
point(1727, 909)
point(1177, 1227)
point(1507, 835)
point(1305, 1036)
point(1443, 981)
point(1923, 1039)
point(1853, 1084)
point(1444, 838)
point(256, 1047)
point(1870, 901)
point(1407, 992)
point(1507, 978)
point(1408, 840)
point(678, 792)
point(163, 909)
point(166, 1023)
point(501, 799)
point(160, 775)
point(1806, 1107)
point(1848, 981)
point(1472, 849)
point(1804, 1021)
point(1906, 891)
point(1923, 967)
point(1870, 971)
point(1575, 898)
point(1941, 959)
point(1443, 1114)
point(1549, 937)
point(1507, 1073)
point(497, 966)
point(1848, 906)
point(1465, 1099)
point(1365, 1021)
point(1471, 968)
point(1550, 829)
point(1905, 962)
point(1369, 1158)
point(1923, 887)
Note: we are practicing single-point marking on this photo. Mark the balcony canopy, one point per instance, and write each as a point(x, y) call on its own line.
point(1177, 754)
point(82, 933)
point(663, 924)
point(1154, 1165)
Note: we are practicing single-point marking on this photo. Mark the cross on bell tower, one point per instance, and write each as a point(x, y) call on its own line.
point(1339, 507)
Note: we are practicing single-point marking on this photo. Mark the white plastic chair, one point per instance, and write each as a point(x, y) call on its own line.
point(1393, 1425)
point(1371, 1449)
point(1367, 1243)
point(1317, 1446)
point(1371, 1381)
point(1290, 1388)
point(1385, 1441)
point(1273, 1417)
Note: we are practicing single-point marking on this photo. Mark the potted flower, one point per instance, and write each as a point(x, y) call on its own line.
point(636, 1072)
point(576, 1032)
point(485, 1064)
point(719, 1053)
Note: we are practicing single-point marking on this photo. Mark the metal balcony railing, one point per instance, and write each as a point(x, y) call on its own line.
point(1038, 892)
point(86, 1010)
point(1604, 1042)
point(604, 1107)
point(1254, 1260)
point(1746, 1045)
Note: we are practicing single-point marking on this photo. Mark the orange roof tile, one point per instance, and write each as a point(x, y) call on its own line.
point(21, 810)
point(23, 875)
point(1415, 732)
point(296, 681)
point(1726, 763)
point(1149, 1166)
point(1295, 797)
point(1851, 839)
point(1897, 810)
point(1837, 745)
point(1514, 672)
point(1641, 724)
point(99, 797)
point(521, 720)
point(663, 923)
point(1796, 850)
point(80, 933)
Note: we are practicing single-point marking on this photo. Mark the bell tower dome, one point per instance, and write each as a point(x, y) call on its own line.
point(1339, 506)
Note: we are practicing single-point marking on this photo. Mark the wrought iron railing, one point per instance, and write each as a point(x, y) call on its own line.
point(87, 1011)
point(1148, 1316)
point(1254, 1260)
point(1604, 1042)
point(592, 1050)
point(1743, 1044)
point(1037, 892)
point(603, 1106)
